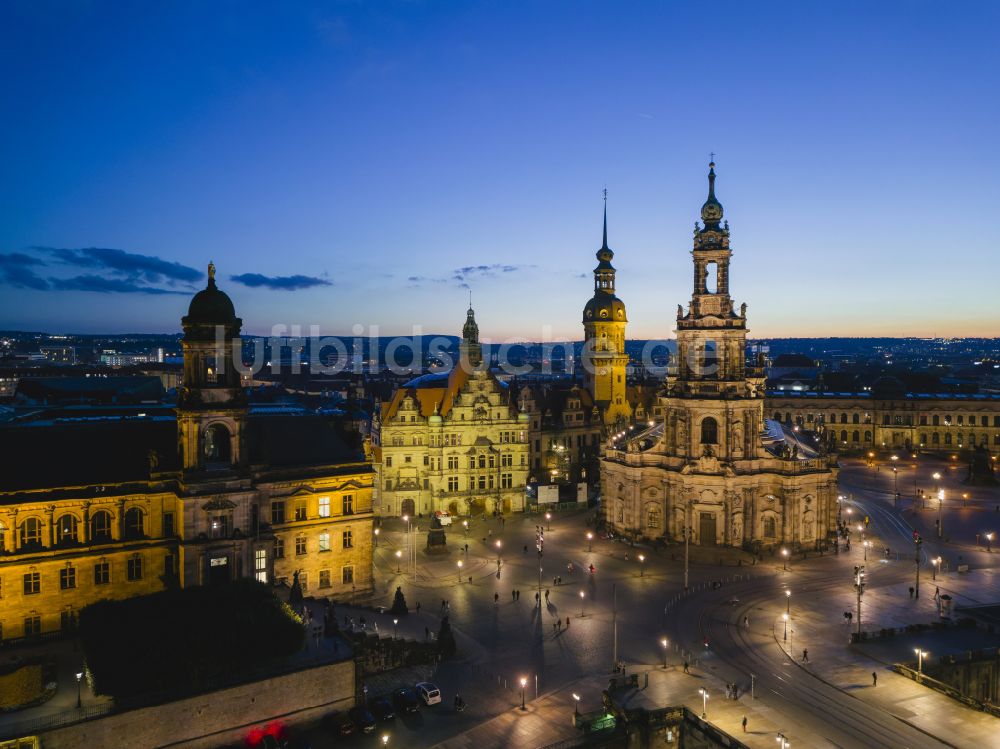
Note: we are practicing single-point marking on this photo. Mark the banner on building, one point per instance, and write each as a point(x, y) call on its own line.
point(548, 494)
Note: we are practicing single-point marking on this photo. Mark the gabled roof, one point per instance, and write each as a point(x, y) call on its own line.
point(434, 391)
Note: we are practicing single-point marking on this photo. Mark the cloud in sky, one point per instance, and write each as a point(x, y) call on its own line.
point(279, 283)
point(465, 275)
point(16, 270)
point(104, 285)
point(146, 268)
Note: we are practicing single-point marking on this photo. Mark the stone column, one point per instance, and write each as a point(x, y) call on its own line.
point(121, 520)
point(86, 522)
point(49, 519)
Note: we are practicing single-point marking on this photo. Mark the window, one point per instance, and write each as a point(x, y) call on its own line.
point(452, 462)
point(32, 583)
point(67, 578)
point(66, 528)
point(324, 541)
point(32, 625)
point(324, 578)
point(856, 418)
point(168, 524)
point(348, 539)
point(31, 533)
point(506, 460)
point(300, 510)
point(133, 523)
point(388, 461)
point(134, 568)
point(277, 512)
point(67, 620)
point(388, 485)
point(453, 483)
point(506, 481)
point(855, 436)
point(482, 461)
point(279, 548)
point(935, 420)
point(947, 439)
point(482, 482)
point(300, 545)
point(770, 527)
point(217, 444)
point(709, 431)
point(324, 507)
point(653, 517)
point(220, 526)
point(260, 565)
point(303, 581)
point(102, 573)
point(347, 504)
point(347, 575)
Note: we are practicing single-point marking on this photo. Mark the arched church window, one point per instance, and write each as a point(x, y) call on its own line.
point(217, 444)
point(709, 431)
point(31, 533)
point(66, 529)
point(770, 527)
point(856, 419)
point(855, 436)
point(134, 527)
point(100, 526)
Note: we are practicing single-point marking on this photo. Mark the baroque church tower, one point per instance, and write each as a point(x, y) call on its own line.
point(714, 470)
point(212, 410)
point(604, 357)
point(470, 351)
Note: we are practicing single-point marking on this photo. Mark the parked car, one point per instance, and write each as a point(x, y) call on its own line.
point(429, 693)
point(405, 700)
point(382, 709)
point(362, 717)
point(339, 724)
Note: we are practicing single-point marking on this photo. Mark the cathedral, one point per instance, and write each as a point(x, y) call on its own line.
point(711, 465)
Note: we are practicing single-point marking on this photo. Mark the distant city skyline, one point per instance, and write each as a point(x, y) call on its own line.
point(367, 165)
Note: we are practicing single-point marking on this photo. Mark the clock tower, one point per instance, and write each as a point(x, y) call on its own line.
point(604, 357)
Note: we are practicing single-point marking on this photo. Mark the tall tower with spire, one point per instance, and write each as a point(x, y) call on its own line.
point(470, 351)
point(604, 357)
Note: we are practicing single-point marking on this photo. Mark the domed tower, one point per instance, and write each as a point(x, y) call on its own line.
point(470, 351)
point(604, 357)
point(211, 409)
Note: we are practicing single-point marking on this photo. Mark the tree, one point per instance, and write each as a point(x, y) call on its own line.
point(399, 603)
point(446, 639)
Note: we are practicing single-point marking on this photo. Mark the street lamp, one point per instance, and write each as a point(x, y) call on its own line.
point(937, 479)
point(704, 702)
point(866, 544)
point(788, 601)
point(934, 567)
point(399, 557)
point(499, 547)
point(576, 704)
point(524, 683)
point(79, 688)
point(465, 528)
point(785, 619)
point(940, 520)
point(583, 597)
point(989, 540)
point(459, 570)
point(395, 631)
point(642, 567)
point(590, 541)
point(784, 559)
point(376, 538)
point(385, 739)
point(548, 519)
point(663, 642)
point(920, 661)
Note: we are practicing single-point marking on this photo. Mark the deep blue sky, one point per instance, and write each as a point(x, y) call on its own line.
point(380, 147)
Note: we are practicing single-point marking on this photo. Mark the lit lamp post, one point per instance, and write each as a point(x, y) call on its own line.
point(499, 547)
point(385, 739)
point(866, 544)
point(784, 618)
point(376, 537)
point(576, 704)
point(399, 559)
point(524, 683)
point(784, 559)
point(663, 642)
point(548, 519)
point(989, 541)
point(459, 570)
point(583, 597)
point(934, 567)
point(79, 688)
point(940, 518)
point(937, 488)
point(465, 528)
point(395, 631)
point(642, 567)
point(704, 702)
point(920, 661)
point(590, 541)
point(788, 601)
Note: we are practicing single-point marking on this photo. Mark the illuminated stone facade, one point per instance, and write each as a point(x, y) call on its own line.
point(713, 467)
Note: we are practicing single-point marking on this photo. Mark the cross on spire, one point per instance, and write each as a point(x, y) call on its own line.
point(711, 157)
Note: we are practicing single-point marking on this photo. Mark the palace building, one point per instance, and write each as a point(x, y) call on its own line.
point(452, 441)
point(713, 466)
point(114, 501)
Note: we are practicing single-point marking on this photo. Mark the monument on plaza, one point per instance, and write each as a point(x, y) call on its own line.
point(437, 542)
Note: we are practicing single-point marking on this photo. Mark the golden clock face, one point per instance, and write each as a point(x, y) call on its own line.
point(604, 313)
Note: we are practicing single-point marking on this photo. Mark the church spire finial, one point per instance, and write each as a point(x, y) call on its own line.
point(211, 273)
point(711, 211)
point(605, 245)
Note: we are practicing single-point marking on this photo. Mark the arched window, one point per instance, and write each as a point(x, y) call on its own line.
point(709, 431)
point(31, 533)
point(843, 418)
point(947, 438)
point(100, 526)
point(217, 444)
point(133, 523)
point(653, 517)
point(843, 435)
point(868, 436)
point(935, 439)
point(770, 527)
point(66, 529)
point(482, 461)
point(856, 436)
point(856, 418)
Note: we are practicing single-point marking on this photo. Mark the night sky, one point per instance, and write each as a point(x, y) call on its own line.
point(368, 163)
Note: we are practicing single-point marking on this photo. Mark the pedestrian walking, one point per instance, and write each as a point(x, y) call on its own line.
point(496, 598)
point(418, 607)
point(537, 598)
point(559, 624)
point(513, 595)
point(744, 724)
point(805, 655)
point(559, 580)
point(686, 667)
point(874, 679)
point(746, 622)
point(526, 548)
point(567, 622)
point(911, 591)
point(546, 595)
point(427, 633)
point(729, 690)
point(518, 597)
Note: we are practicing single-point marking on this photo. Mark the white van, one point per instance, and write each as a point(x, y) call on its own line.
point(443, 517)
